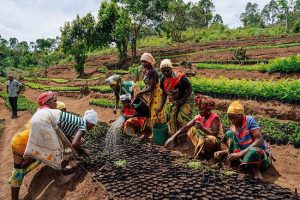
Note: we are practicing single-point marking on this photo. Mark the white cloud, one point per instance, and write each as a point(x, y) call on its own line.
point(32, 19)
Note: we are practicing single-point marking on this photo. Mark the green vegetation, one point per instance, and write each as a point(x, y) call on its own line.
point(101, 89)
point(55, 80)
point(118, 71)
point(23, 103)
point(90, 79)
point(37, 86)
point(102, 70)
point(283, 90)
point(283, 65)
point(120, 163)
point(195, 165)
point(102, 102)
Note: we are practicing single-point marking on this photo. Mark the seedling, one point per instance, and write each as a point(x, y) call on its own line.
point(120, 163)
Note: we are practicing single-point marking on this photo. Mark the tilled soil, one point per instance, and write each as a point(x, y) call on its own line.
point(151, 172)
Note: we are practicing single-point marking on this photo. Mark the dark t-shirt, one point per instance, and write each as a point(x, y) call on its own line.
point(183, 86)
point(148, 74)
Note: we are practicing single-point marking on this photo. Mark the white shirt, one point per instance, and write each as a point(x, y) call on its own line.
point(13, 88)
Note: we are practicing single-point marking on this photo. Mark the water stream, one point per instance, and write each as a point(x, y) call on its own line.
point(113, 135)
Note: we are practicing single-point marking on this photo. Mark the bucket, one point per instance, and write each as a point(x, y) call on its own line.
point(140, 106)
point(160, 133)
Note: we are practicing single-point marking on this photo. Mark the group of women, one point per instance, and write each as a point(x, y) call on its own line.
point(242, 145)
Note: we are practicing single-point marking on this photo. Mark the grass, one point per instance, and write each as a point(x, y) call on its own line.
point(23, 103)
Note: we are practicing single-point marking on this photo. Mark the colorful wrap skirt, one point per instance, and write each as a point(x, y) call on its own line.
point(254, 155)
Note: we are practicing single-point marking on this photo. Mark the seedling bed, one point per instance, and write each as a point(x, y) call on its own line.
point(152, 172)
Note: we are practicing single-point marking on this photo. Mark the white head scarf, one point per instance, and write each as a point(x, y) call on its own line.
point(91, 116)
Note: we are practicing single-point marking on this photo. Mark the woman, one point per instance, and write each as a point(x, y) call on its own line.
point(245, 142)
point(152, 89)
point(119, 88)
point(204, 131)
point(179, 89)
point(33, 144)
point(134, 124)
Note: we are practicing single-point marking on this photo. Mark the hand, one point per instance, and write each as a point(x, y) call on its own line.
point(219, 154)
point(199, 126)
point(115, 110)
point(233, 156)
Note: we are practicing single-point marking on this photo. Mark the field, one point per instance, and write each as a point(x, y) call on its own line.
point(267, 85)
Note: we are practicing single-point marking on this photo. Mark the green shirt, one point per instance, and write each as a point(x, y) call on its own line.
point(126, 88)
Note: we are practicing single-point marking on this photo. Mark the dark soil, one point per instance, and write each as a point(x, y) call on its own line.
point(151, 172)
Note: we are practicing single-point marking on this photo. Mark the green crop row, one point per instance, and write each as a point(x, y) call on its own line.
point(23, 103)
point(102, 102)
point(55, 80)
point(119, 71)
point(51, 88)
point(285, 65)
point(287, 91)
point(273, 130)
point(90, 79)
point(101, 89)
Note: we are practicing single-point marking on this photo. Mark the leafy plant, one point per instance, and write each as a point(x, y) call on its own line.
point(102, 102)
point(120, 163)
point(23, 103)
point(195, 165)
point(135, 70)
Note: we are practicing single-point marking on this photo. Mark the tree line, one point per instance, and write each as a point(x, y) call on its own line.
point(122, 23)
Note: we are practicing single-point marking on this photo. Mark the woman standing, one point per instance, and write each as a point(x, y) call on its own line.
point(152, 89)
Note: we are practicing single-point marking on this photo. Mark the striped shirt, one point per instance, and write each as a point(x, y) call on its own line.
point(70, 124)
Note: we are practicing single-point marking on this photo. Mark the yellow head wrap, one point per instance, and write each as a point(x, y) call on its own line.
point(60, 105)
point(166, 63)
point(235, 108)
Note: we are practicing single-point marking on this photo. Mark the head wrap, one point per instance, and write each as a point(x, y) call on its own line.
point(60, 105)
point(166, 63)
point(44, 97)
point(235, 108)
point(91, 116)
point(148, 57)
point(125, 97)
point(206, 102)
point(114, 80)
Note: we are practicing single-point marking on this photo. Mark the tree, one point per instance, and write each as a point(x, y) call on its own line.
point(144, 13)
point(251, 16)
point(114, 25)
point(285, 10)
point(201, 14)
point(270, 13)
point(217, 20)
point(176, 20)
point(77, 39)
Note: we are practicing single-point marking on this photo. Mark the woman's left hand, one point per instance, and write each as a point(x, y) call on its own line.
point(199, 126)
point(233, 156)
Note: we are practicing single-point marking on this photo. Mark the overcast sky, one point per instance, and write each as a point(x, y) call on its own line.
point(32, 19)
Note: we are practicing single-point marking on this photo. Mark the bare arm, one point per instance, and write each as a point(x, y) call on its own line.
point(186, 96)
point(76, 143)
point(117, 101)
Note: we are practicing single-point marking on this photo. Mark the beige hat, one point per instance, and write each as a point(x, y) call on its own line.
point(148, 57)
point(166, 63)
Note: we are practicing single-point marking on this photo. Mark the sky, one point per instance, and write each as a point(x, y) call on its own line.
point(28, 20)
